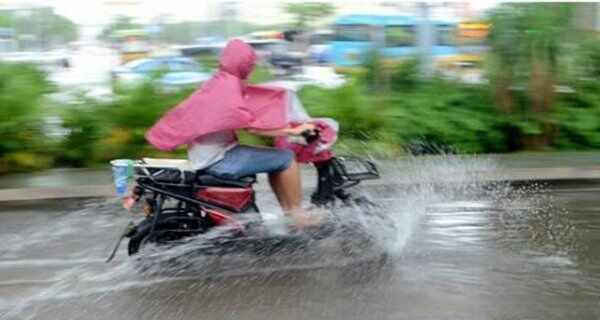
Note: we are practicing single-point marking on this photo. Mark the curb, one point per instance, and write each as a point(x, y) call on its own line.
point(107, 191)
point(56, 193)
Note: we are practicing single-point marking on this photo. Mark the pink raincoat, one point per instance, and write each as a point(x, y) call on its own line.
point(224, 102)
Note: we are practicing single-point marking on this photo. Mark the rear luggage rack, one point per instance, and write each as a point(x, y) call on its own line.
point(166, 172)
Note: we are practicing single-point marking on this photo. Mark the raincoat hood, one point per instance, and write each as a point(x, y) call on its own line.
point(223, 103)
point(237, 59)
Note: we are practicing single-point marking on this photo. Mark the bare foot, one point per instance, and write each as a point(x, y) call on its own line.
point(307, 217)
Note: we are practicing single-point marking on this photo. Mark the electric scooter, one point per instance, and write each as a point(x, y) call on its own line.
point(178, 204)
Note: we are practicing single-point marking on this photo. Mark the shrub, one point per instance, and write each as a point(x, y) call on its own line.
point(448, 114)
point(84, 125)
point(589, 58)
point(384, 75)
point(128, 118)
point(360, 117)
point(437, 111)
point(577, 118)
point(405, 74)
point(363, 125)
point(22, 88)
point(101, 131)
point(374, 76)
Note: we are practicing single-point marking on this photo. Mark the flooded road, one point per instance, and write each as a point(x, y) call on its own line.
point(514, 253)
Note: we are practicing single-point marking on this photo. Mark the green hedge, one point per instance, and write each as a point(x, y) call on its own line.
point(23, 145)
point(577, 118)
point(382, 122)
point(435, 111)
point(101, 131)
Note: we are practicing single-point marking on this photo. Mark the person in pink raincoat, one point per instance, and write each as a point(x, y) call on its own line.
point(206, 122)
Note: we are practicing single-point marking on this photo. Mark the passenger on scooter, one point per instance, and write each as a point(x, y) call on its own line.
point(207, 121)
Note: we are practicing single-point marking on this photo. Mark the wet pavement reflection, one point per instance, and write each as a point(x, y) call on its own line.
point(521, 254)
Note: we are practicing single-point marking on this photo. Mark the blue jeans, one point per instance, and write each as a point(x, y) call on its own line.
point(244, 161)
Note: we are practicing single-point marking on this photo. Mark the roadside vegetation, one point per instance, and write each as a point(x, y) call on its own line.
point(22, 140)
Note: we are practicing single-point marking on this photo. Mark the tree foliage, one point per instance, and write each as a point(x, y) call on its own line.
point(526, 42)
point(119, 23)
point(306, 12)
point(43, 26)
point(525, 64)
point(589, 58)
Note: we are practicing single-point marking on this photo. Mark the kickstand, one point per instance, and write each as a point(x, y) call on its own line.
point(127, 229)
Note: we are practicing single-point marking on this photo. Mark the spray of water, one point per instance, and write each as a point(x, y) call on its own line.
point(414, 185)
point(408, 191)
point(402, 198)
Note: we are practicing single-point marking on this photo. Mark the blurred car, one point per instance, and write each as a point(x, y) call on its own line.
point(202, 45)
point(167, 72)
point(320, 76)
point(319, 45)
point(284, 59)
point(45, 59)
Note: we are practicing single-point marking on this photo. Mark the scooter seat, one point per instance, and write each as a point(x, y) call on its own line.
point(208, 180)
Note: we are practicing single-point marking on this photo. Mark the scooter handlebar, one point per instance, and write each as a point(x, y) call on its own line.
point(311, 135)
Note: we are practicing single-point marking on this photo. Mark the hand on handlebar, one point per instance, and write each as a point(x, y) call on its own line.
point(301, 129)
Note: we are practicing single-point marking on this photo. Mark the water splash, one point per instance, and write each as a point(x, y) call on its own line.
point(409, 191)
point(416, 184)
